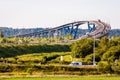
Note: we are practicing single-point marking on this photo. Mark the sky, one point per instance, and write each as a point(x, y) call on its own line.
point(53, 13)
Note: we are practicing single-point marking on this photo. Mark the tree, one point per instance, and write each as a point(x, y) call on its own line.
point(111, 54)
point(1, 34)
point(103, 46)
point(25, 40)
point(68, 37)
point(3, 40)
point(82, 48)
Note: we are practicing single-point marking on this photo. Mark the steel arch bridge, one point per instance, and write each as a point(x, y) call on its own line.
point(95, 29)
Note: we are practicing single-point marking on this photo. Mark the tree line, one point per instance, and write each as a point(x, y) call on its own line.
point(12, 50)
point(107, 52)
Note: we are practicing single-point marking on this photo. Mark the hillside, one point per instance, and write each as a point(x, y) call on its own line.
point(11, 32)
point(114, 32)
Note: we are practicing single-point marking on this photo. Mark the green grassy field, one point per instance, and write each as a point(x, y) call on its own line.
point(37, 58)
point(65, 78)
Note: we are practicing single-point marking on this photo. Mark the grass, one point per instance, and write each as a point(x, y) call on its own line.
point(39, 57)
point(64, 78)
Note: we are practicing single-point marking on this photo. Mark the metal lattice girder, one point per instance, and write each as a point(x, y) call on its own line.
point(91, 27)
point(72, 29)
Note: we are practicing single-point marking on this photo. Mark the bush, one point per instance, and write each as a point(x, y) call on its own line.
point(89, 59)
point(105, 67)
point(49, 69)
point(111, 54)
point(82, 48)
point(14, 50)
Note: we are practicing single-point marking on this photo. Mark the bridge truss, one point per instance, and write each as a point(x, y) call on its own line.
point(95, 28)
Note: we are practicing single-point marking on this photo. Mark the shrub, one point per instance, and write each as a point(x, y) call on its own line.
point(14, 49)
point(104, 67)
point(48, 69)
point(82, 48)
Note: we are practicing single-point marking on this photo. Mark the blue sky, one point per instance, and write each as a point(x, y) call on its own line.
point(52, 13)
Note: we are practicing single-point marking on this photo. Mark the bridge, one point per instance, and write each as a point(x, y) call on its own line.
point(95, 29)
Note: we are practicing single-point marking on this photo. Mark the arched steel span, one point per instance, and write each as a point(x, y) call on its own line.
point(96, 29)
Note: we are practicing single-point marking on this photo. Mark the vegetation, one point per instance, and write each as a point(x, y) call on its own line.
point(10, 50)
point(82, 48)
point(38, 58)
point(12, 32)
point(65, 78)
point(107, 53)
point(1, 34)
point(55, 58)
